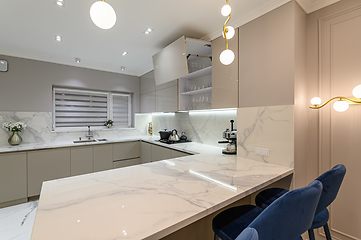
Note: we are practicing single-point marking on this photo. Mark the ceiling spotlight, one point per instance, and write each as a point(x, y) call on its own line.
point(2, 62)
point(103, 15)
point(60, 3)
point(122, 68)
point(77, 60)
point(58, 38)
point(149, 30)
point(124, 53)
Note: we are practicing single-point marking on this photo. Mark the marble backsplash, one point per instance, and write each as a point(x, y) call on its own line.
point(266, 127)
point(39, 129)
point(200, 126)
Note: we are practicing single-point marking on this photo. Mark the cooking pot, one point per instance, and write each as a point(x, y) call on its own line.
point(165, 134)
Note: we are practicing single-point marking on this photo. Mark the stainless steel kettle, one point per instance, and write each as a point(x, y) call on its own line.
point(174, 136)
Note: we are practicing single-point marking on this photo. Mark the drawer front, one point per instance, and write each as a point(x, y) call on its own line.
point(126, 163)
point(126, 150)
point(176, 154)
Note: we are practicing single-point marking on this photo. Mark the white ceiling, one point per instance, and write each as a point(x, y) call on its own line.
point(28, 29)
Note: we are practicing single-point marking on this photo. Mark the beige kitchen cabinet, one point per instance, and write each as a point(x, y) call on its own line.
point(126, 150)
point(127, 163)
point(45, 165)
point(146, 151)
point(103, 157)
point(13, 182)
point(176, 154)
point(160, 153)
point(81, 160)
point(166, 99)
point(225, 78)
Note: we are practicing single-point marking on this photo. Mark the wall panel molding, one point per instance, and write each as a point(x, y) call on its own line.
point(330, 69)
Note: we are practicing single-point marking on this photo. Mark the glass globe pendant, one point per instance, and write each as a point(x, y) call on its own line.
point(103, 15)
point(226, 57)
point(340, 106)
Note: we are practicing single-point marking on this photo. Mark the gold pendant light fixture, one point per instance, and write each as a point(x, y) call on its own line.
point(342, 103)
point(103, 15)
point(227, 56)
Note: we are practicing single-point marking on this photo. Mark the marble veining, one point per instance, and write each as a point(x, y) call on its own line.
point(200, 126)
point(16, 222)
point(148, 201)
point(39, 129)
point(266, 127)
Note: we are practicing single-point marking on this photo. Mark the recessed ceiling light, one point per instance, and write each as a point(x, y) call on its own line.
point(60, 3)
point(58, 38)
point(149, 30)
point(2, 62)
point(124, 53)
point(122, 68)
point(77, 60)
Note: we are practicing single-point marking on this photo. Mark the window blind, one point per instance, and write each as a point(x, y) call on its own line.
point(121, 110)
point(80, 108)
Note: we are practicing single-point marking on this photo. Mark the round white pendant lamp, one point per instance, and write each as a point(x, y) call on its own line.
point(103, 15)
point(226, 57)
point(230, 32)
point(226, 10)
point(357, 91)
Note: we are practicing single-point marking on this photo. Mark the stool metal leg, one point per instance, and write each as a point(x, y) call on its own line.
point(327, 232)
point(311, 234)
point(216, 237)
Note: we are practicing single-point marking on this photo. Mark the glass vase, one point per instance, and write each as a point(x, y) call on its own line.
point(15, 139)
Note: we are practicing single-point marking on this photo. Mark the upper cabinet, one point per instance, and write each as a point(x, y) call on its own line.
point(171, 63)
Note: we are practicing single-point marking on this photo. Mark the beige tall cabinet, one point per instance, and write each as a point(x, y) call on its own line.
point(225, 78)
point(13, 182)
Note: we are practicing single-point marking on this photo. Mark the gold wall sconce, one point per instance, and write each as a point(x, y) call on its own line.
point(227, 56)
point(342, 103)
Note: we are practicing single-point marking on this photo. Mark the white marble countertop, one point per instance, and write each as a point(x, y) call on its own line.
point(149, 201)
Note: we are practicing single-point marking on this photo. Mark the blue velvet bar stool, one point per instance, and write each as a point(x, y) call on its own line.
point(285, 219)
point(248, 234)
point(331, 181)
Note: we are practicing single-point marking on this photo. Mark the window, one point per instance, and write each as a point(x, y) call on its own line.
point(79, 108)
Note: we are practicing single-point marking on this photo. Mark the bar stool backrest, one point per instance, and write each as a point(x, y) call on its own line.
point(290, 215)
point(331, 182)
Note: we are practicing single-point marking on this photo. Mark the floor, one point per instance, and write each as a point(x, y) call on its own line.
point(16, 222)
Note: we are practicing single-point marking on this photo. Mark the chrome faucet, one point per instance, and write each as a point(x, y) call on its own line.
point(89, 135)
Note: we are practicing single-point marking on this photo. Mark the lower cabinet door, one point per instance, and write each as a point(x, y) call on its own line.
point(176, 154)
point(126, 163)
point(13, 180)
point(146, 150)
point(103, 157)
point(81, 160)
point(45, 165)
point(160, 153)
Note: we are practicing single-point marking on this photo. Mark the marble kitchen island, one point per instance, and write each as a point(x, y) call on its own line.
point(149, 201)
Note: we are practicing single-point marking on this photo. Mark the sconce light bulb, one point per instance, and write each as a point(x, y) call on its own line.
point(340, 106)
point(103, 15)
point(230, 32)
point(357, 91)
point(226, 57)
point(226, 10)
point(316, 101)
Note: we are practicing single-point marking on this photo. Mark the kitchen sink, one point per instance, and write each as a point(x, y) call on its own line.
point(102, 139)
point(84, 141)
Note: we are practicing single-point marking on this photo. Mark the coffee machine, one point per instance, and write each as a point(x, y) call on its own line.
point(231, 136)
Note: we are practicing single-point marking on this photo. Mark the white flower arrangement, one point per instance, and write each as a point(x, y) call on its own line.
point(14, 127)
